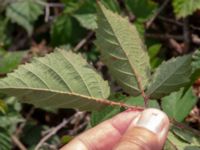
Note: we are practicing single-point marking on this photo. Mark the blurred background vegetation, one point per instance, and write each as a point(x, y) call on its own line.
point(30, 28)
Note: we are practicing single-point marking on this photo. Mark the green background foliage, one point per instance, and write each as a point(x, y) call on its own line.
point(111, 50)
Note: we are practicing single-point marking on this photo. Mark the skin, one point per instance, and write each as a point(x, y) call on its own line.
point(129, 130)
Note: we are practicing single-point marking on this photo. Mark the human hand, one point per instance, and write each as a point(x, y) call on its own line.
point(129, 130)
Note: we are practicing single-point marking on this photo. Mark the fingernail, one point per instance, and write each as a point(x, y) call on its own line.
point(153, 120)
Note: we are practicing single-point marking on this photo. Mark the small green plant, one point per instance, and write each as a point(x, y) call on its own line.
point(64, 79)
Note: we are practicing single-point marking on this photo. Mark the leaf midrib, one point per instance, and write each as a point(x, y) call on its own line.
point(52, 91)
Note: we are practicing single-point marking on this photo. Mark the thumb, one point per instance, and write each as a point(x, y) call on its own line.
point(147, 132)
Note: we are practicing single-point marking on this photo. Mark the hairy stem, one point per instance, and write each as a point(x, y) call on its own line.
point(120, 104)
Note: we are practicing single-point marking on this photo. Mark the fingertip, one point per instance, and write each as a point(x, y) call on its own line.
point(148, 130)
point(154, 120)
point(123, 120)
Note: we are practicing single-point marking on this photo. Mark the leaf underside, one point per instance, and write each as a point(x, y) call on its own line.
point(60, 80)
point(122, 50)
point(170, 76)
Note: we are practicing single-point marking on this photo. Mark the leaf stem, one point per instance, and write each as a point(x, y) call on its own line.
point(120, 104)
point(139, 82)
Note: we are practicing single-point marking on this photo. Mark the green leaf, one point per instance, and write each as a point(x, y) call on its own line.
point(111, 5)
point(3, 106)
point(24, 13)
point(139, 101)
point(66, 29)
point(180, 138)
point(177, 105)
point(183, 8)
point(4, 38)
point(169, 146)
point(66, 139)
point(12, 117)
point(88, 21)
point(142, 9)
point(122, 50)
point(5, 141)
point(170, 76)
point(61, 30)
point(59, 80)
point(32, 133)
point(186, 135)
point(107, 112)
point(153, 51)
point(195, 66)
point(9, 61)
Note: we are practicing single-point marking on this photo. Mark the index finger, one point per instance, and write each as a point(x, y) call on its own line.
point(105, 135)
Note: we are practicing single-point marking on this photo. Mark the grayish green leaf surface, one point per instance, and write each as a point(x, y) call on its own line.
point(177, 105)
point(122, 50)
point(183, 8)
point(60, 80)
point(24, 13)
point(170, 76)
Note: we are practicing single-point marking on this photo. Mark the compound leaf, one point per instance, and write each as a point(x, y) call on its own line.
point(122, 50)
point(60, 80)
point(170, 76)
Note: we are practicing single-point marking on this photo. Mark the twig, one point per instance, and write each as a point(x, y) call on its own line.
point(18, 143)
point(48, 6)
point(55, 130)
point(119, 104)
point(164, 36)
point(177, 22)
point(157, 13)
point(186, 34)
point(175, 45)
point(81, 126)
point(195, 39)
point(83, 41)
point(47, 13)
point(21, 126)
